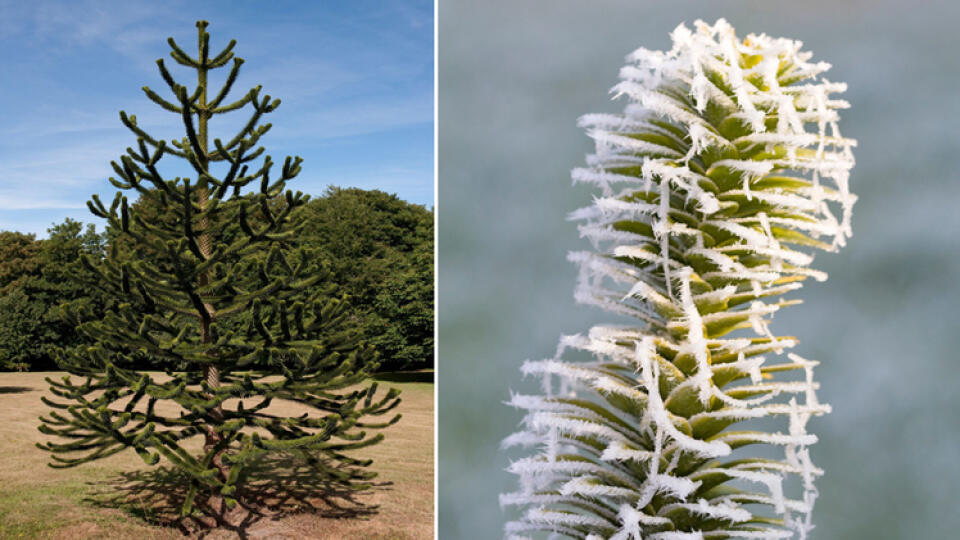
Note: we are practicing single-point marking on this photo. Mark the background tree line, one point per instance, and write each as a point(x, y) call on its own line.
point(378, 248)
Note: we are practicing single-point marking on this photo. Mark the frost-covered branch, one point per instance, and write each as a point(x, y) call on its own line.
point(725, 167)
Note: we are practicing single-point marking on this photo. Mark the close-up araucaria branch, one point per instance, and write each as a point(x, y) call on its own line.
point(724, 169)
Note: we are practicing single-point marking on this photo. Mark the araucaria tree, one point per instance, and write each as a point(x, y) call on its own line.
point(178, 304)
point(724, 166)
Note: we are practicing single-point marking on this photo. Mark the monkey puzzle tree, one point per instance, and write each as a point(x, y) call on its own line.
point(178, 303)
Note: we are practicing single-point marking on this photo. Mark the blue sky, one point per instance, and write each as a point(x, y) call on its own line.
point(355, 79)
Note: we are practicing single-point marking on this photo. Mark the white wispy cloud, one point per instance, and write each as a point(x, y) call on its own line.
point(358, 118)
point(366, 71)
point(19, 202)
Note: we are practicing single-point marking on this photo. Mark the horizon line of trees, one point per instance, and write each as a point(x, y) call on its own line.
point(378, 248)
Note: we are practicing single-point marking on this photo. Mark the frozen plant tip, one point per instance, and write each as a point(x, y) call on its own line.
point(724, 166)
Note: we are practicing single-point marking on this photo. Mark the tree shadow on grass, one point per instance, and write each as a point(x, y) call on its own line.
point(277, 487)
point(15, 389)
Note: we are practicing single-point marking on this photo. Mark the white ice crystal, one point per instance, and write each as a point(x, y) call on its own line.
point(725, 167)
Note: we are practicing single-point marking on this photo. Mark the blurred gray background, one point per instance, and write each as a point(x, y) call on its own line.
point(514, 77)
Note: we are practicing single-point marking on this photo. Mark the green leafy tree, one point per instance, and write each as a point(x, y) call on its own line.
point(18, 263)
point(18, 258)
point(66, 283)
point(41, 276)
point(179, 303)
point(691, 423)
point(402, 315)
point(21, 331)
point(381, 249)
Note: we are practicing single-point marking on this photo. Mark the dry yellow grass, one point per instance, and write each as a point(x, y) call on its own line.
point(122, 498)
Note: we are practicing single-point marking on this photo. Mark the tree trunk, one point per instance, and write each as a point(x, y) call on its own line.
point(211, 373)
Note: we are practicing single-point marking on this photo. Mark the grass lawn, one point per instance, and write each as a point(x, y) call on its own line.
point(118, 497)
